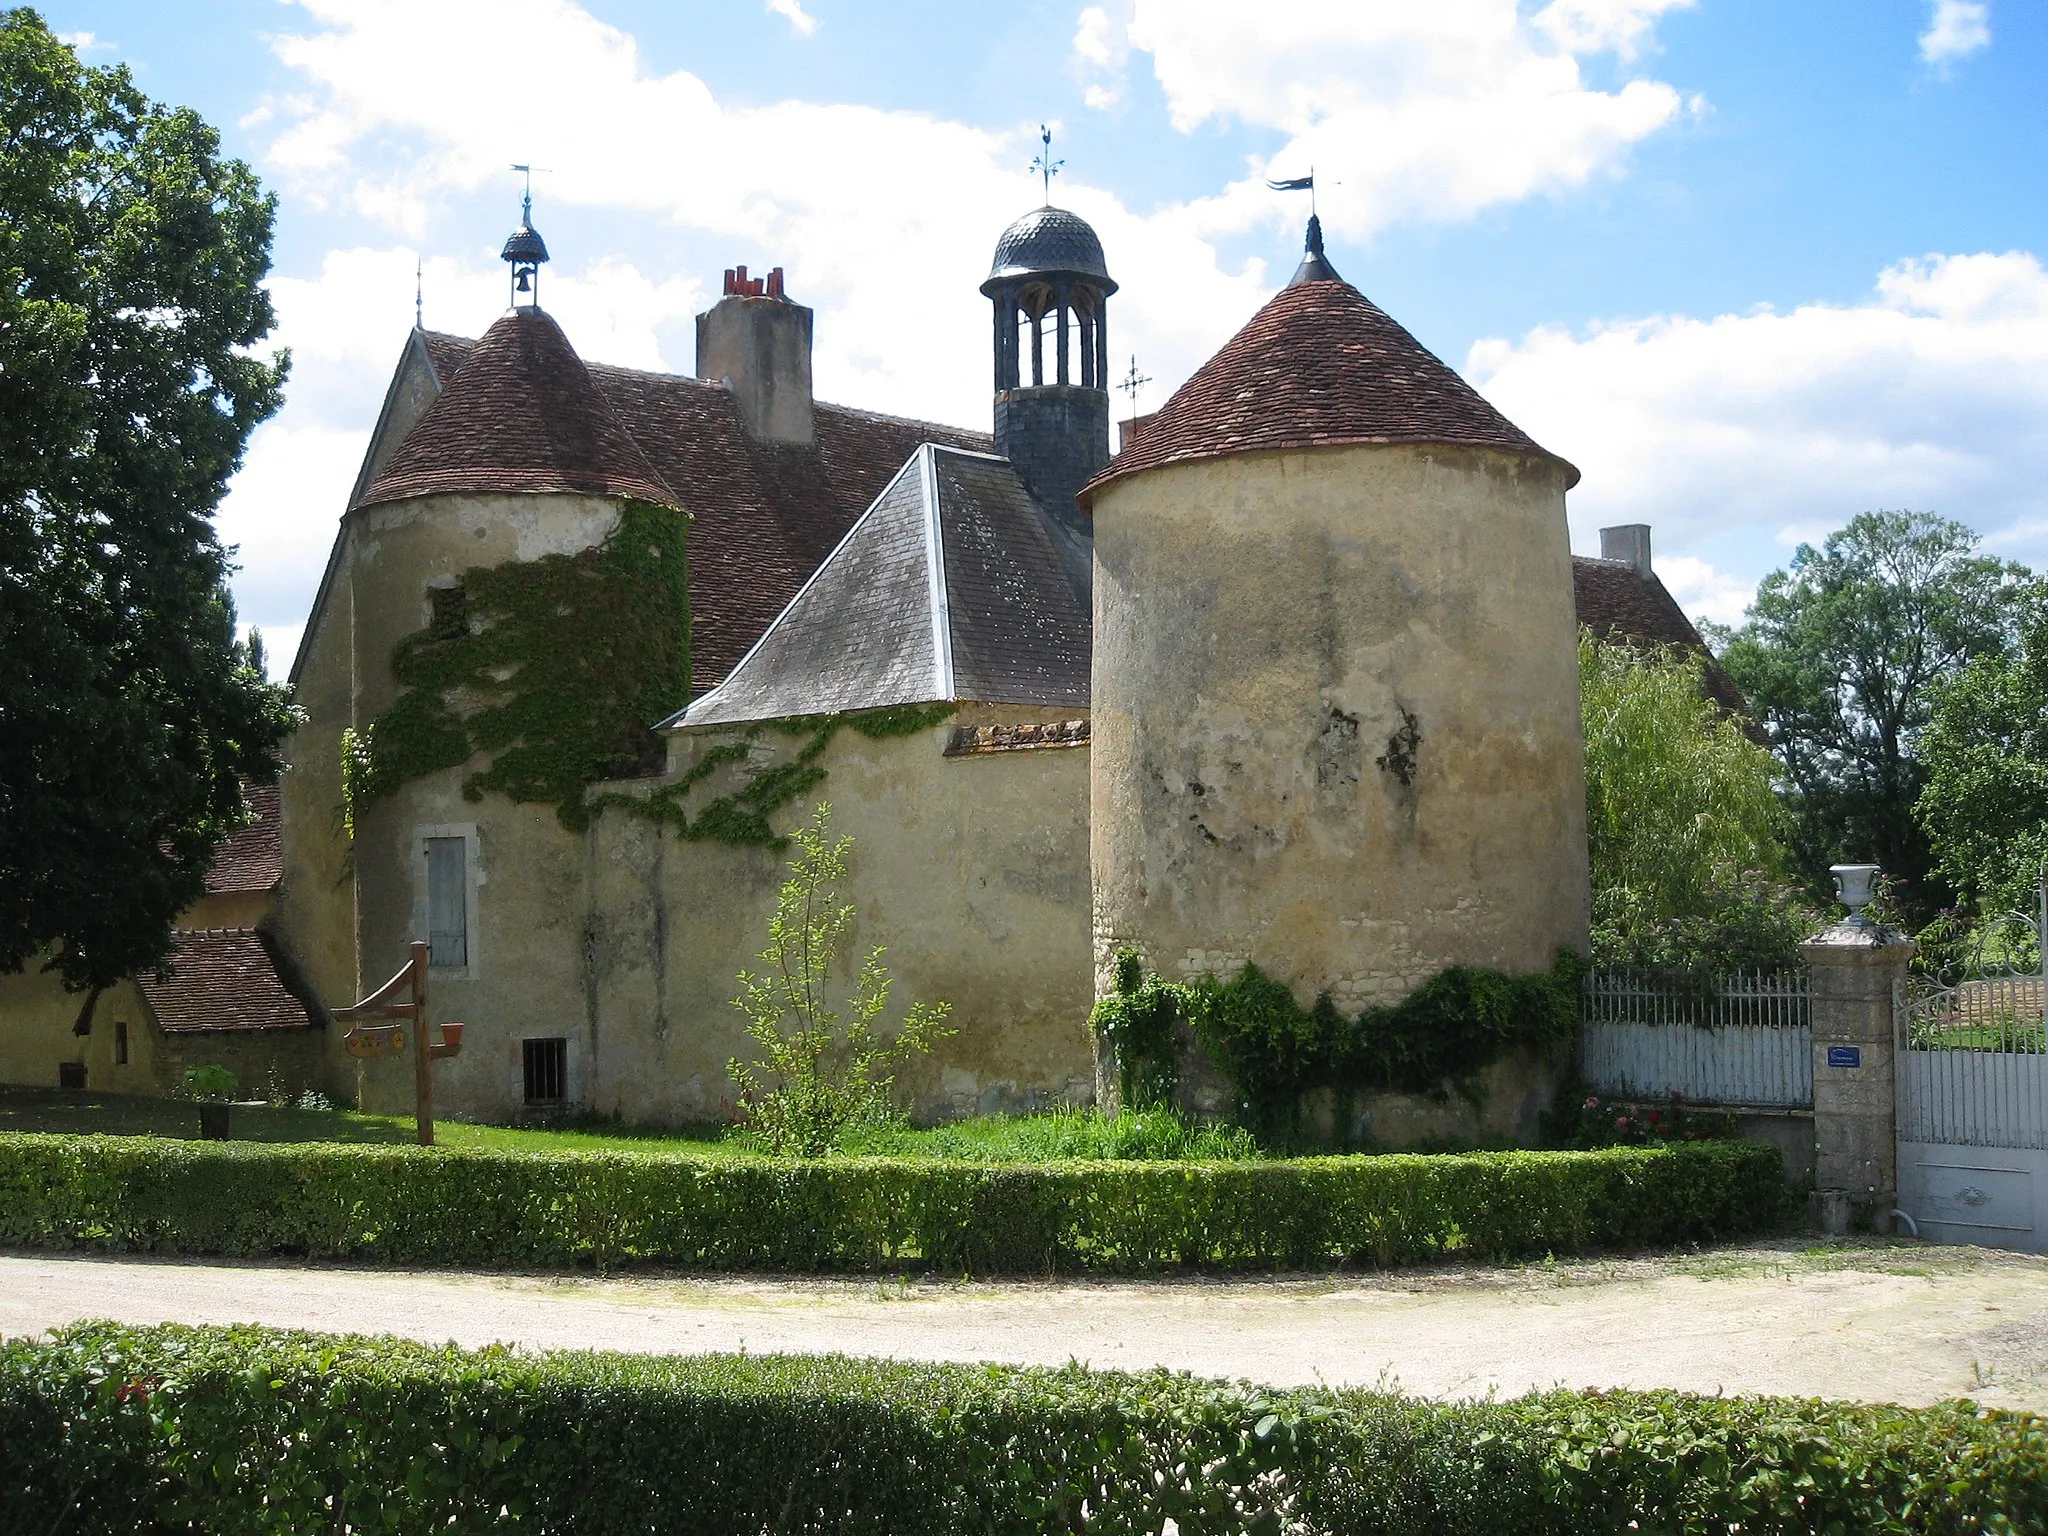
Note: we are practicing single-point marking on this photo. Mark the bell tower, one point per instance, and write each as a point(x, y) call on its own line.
point(1050, 291)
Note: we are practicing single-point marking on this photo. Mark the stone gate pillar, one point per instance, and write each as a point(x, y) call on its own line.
point(1855, 968)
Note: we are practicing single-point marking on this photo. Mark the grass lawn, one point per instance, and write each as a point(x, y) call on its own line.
point(1058, 1134)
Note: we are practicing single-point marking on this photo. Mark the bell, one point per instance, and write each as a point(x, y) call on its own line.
point(525, 283)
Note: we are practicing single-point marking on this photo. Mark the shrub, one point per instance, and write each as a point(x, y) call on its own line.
point(248, 1430)
point(1274, 1051)
point(210, 1083)
point(1591, 1121)
point(823, 1073)
point(1061, 1135)
point(415, 1205)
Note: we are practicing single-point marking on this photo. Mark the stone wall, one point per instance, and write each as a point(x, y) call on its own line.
point(1336, 718)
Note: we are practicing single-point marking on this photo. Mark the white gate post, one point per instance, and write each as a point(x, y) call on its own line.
point(1856, 967)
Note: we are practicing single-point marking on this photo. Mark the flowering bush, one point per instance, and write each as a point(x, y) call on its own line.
point(1599, 1122)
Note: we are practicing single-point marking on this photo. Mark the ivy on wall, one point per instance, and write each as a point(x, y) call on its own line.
point(742, 816)
point(1273, 1051)
point(557, 668)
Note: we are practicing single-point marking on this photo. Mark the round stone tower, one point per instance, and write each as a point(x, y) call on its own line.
point(1336, 712)
point(1050, 288)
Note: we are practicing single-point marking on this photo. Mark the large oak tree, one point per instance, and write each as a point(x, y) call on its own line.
point(131, 262)
point(1842, 658)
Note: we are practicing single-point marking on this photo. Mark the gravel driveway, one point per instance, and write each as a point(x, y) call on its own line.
point(1898, 1322)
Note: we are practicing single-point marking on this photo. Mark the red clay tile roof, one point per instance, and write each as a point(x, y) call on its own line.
point(1618, 604)
point(765, 515)
point(520, 414)
point(221, 979)
point(253, 858)
point(1320, 365)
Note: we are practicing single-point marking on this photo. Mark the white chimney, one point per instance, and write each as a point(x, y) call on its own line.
point(759, 342)
point(1630, 544)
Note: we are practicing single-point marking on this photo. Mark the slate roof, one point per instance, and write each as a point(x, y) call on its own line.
point(1320, 365)
point(1617, 603)
point(948, 588)
point(1048, 241)
point(764, 515)
point(520, 414)
point(221, 979)
point(253, 858)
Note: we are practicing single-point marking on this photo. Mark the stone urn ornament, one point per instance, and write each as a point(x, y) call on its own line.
point(1856, 885)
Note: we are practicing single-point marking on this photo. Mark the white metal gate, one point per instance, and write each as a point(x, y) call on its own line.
point(1973, 1098)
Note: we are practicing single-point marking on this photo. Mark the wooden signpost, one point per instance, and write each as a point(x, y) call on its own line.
point(380, 1021)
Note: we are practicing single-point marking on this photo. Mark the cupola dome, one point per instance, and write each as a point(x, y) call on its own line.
point(1046, 242)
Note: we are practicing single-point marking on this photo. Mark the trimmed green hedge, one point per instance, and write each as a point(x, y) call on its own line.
point(232, 1431)
point(415, 1206)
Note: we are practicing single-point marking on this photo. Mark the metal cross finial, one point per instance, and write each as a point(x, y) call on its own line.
point(1132, 382)
point(419, 294)
point(1045, 165)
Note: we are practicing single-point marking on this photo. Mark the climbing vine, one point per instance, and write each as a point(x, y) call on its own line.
point(1273, 1050)
point(556, 667)
point(742, 816)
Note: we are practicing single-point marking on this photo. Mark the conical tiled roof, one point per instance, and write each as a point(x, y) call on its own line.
point(521, 414)
point(1320, 365)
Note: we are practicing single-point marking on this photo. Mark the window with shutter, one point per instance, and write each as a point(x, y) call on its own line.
point(448, 900)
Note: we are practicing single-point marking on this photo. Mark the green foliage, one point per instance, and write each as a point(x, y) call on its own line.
point(1985, 803)
point(743, 816)
point(1139, 1024)
point(1683, 823)
point(417, 1205)
point(1274, 1051)
point(240, 1431)
point(823, 1072)
point(557, 668)
point(211, 1082)
point(1842, 658)
point(1590, 1121)
point(132, 305)
point(1063, 1135)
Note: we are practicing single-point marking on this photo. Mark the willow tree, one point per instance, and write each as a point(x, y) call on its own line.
point(1684, 823)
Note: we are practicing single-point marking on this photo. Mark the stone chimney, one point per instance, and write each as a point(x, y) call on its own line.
point(759, 343)
point(1630, 544)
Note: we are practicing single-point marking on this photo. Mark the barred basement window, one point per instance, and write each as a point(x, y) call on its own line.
point(547, 1070)
point(450, 619)
point(70, 1074)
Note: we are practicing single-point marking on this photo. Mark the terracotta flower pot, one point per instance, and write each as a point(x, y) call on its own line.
point(451, 1036)
point(213, 1122)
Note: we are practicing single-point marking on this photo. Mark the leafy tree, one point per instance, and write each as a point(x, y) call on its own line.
point(131, 260)
point(1985, 804)
point(824, 1073)
point(1683, 821)
point(1842, 656)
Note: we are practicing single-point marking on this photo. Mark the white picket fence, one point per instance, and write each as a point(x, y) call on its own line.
point(1749, 1042)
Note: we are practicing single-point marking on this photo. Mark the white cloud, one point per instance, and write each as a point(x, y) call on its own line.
point(801, 21)
point(1406, 111)
point(84, 43)
point(1703, 590)
point(1955, 30)
point(1930, 394)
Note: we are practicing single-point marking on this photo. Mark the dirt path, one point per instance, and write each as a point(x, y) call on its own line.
point(1901, 1323)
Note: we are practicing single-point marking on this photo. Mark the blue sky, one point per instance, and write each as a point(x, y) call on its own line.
point(1755, 267)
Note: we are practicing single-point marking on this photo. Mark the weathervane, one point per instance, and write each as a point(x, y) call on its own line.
point(526, 252)
point(419, 293)
point(1045, 165)
point(1299, 184)
point(1132, 382)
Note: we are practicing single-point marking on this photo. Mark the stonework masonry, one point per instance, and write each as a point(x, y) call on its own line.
point(1335, 725)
